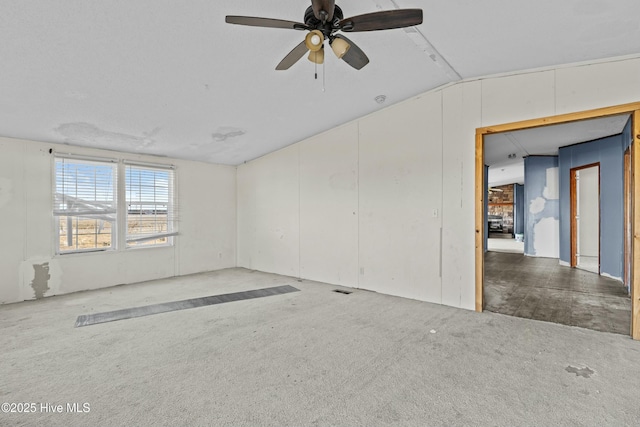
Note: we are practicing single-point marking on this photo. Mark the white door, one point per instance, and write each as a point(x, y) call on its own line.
point(588, 219)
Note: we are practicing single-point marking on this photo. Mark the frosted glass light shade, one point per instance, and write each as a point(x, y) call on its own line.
point(316, 56)
point(340, 47)
point(314, 40)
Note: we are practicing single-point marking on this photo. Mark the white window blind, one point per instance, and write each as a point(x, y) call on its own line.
point(151, 211)
point(85, 204)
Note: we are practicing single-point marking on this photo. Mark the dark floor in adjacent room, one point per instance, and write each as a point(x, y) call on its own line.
point(541, 289)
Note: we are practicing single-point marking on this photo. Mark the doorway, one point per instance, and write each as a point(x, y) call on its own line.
point(585, 217)
point(634, 203)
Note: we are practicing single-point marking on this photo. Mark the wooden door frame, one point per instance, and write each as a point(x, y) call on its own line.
point(573, 209)
point(634, 110)
point(628, 217)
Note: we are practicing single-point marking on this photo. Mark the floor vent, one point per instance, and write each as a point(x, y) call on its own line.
point(340, 291)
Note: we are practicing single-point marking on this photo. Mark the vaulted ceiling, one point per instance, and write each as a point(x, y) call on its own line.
point(172, 78)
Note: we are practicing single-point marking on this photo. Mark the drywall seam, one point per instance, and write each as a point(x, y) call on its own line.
point(300, 213)
point(25, 197)
point(359, 218)
point(550, 68)
point(237, 217)
point(442, 130)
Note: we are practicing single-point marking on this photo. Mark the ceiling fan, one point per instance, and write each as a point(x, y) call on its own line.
point(322, 21)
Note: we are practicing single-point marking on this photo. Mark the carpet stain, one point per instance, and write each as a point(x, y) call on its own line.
point(580, 372)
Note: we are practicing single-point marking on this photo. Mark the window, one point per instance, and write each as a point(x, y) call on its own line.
point(150, 215)
point(93, 210)
point(85, 205)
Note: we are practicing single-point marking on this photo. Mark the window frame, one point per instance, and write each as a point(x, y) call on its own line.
point(119, 225)
point(171, 231)
point(59, 213)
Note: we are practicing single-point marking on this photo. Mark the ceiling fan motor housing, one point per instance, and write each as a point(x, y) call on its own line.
point(313, 22)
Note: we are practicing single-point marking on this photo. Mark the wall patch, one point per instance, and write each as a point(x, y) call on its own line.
point(546, 234)
point(537, 205)
point(552, 188)
point(40, 283)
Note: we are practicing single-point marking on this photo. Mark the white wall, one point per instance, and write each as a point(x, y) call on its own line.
point(401, 200)
point(329, 207)
point(357, 206)
point(268, 220)
point(588, 203)
point(296, 211)
point(384, 203)
point(207, 226)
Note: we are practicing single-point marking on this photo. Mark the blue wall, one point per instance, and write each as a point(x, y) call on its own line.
point(518, 208)
point(609, 152)
point(537, 196)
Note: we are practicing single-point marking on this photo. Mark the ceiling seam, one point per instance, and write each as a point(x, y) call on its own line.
point(515, 142)
point(435, 54)
point(427, 47)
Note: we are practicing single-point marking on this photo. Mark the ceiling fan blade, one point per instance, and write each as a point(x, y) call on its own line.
point(384, 20)
point(354, 56)
point(293, 56)
point(265, 22)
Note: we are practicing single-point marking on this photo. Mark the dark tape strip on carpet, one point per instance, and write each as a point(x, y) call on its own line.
point(129, 313)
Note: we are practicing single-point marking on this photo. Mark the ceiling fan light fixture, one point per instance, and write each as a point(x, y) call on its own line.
point(339, 47)
point(314, 40)
point(316, 56)
point(323, 19)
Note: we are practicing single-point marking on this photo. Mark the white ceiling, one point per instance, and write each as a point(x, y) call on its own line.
point(171, 78)
point(541, 141)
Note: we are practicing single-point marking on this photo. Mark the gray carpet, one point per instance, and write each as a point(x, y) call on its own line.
point(309, 358)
